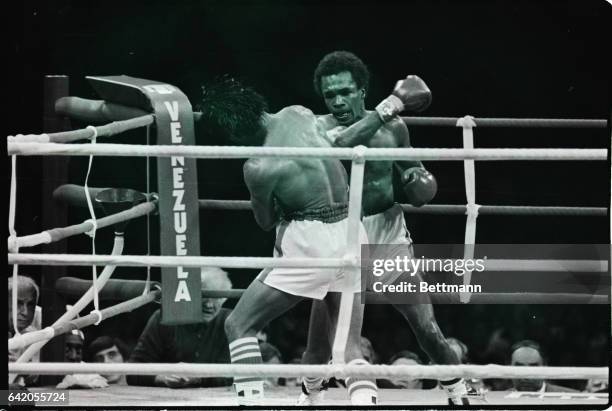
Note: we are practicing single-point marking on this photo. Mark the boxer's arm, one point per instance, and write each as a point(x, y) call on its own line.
point(402, 138)
point(261, 185)
point(358, 133)
point(419, 185)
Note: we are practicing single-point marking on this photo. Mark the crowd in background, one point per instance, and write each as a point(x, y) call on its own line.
point(535, 335)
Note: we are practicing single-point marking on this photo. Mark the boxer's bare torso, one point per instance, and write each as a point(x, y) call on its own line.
point(293, 185)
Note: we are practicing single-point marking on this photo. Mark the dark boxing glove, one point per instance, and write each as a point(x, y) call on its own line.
point(419, 185)
point(410, 94)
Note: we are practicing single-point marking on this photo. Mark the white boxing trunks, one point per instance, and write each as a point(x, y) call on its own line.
point(388, 227)
point(389, 238)
point(312, 239)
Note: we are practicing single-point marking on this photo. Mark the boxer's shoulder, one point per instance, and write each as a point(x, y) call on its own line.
point(296, 110)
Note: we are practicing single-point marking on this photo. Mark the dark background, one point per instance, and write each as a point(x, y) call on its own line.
point(487, 59)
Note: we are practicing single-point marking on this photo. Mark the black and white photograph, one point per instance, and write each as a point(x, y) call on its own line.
point(309, 204)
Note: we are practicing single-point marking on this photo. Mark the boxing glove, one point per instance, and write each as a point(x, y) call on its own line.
point(410, 94)
point(419, 185)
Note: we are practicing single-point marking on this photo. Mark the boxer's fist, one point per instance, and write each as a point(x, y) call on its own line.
point(413, 92)
point(410, 94)
point(419, 185)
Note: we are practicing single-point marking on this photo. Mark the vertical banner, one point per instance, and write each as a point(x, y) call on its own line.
point(177, 187)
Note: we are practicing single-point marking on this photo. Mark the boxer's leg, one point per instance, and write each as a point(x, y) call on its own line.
point(425, 327)
point(259, 305)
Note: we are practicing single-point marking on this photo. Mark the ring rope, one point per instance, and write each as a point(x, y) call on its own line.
point(56, 234)
point(509, 122)
point(107, 130)
point(479, 298)
point(442, 209)
point(379, 154)
point(13, 234)
point(515, 265)
point(85, 299)
point(439, 372)
point(92, 232)
point(147, 286)
point(58, 329)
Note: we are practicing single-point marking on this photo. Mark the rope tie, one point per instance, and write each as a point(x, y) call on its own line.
point(13, 234)
point(468, 123)
point(147, 287)
point(92, 232)
point(98, 314)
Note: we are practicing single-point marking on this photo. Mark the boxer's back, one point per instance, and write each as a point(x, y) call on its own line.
point(303, 184)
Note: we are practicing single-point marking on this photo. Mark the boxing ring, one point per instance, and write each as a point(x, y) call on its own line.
point(135, 205)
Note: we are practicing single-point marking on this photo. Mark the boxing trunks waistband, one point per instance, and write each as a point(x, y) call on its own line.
point(326, 214)
point(382, 210)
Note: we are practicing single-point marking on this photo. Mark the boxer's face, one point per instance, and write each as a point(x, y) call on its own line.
point(343, 98)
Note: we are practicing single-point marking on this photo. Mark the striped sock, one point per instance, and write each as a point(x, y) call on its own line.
point(361, 391)
point(246, 351)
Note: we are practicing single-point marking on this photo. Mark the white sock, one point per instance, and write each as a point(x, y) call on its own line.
point(246, 351)
point(362, 391)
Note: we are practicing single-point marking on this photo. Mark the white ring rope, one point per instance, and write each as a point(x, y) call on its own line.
point(432, 154)
point(326, 371)
point(92, 232)
point(107, 130)
point(515, 265)
point(81, 303)
point(147, 286)
point(13, 234)
point(53, 331)
point(56, 234)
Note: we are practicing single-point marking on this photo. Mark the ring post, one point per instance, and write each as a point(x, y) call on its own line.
point(177, 187)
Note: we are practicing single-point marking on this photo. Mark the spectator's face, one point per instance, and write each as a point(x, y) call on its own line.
point(343, 98)
point(26, 307)
point(110, 355)
point(73, 348)
point(212, 306)
point(530, 357)
point(406, 383)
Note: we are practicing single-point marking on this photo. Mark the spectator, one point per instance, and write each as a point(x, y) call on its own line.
point(73, 352)
point(528, 352)
point(404, 357)
point(203, 342)
point(29, 318)
point(73, 346)
point(270, 355)
point(106, 349)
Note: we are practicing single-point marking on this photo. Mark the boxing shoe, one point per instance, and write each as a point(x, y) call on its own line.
point(313, 396)
point(464, 396)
